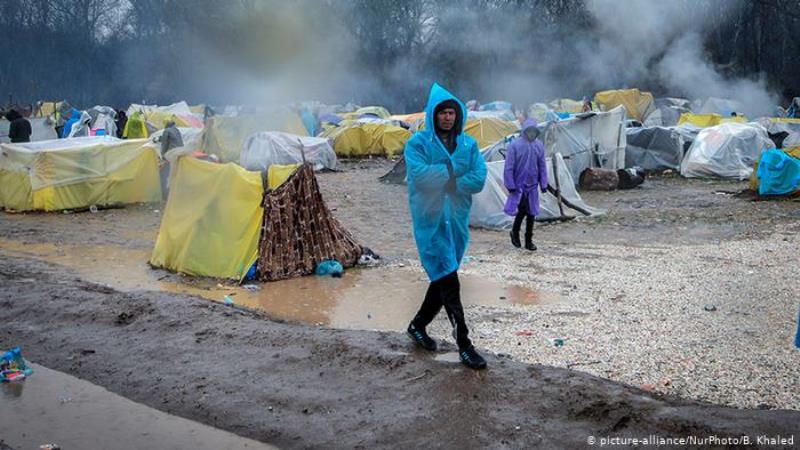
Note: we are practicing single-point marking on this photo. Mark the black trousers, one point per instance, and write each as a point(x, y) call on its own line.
point(445, 292)
point(522, 214)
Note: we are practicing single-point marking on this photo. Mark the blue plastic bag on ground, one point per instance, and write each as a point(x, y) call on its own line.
point(330, 267)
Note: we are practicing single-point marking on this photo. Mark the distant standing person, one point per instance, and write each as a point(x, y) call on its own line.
point(170, 138)
point(445, 169)
point(524, 174)
point(121, 120)
point(20, 128)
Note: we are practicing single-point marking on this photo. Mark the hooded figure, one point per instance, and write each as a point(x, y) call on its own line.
point(19, 129)
point(445, 169)
point(524, 174)
point(73, 118)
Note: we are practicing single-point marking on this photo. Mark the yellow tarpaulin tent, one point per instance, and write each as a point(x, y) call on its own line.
point(379, 111)
point(278, 174)
point(708, 120)
point(489, 130)
point(77, 173)
point(224, 136)
point(566, 105)
point(212, 220)
point(364, 139)
point(638, 104)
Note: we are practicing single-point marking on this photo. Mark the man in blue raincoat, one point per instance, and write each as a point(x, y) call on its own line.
point(524, 174)
point(444, 169)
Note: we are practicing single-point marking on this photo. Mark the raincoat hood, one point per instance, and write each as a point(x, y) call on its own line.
point(12, 115)
point(530, 122)
point(439, 95)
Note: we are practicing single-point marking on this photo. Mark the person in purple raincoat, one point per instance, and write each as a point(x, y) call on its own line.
point(525, 173)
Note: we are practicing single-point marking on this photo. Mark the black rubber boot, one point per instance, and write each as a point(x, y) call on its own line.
point(421, 337)
point(471, 358)
point(529, 245)
point(515, 239)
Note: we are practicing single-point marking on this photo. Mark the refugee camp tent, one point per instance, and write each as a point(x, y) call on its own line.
point(653, 148)
point(413, 120)
point(300, 232)
point(666, 112)
point(224, 136)
point(593, 139)
point(638, 104)
point(377, 111)
point(728, 150)
point(488, 130)
point(358, 139)
point(77, 173)
point(212, 220)
point(268, 148)
point(785, 132)
point(708, 120)
point(566, 105)
point(505, 115)
point(41, 130)
point(721, 106)
point(777, 173)
point(488, 205)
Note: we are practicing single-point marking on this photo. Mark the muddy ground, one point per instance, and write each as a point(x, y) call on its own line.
point(298, 385)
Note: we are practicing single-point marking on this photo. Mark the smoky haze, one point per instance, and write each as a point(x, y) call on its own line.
point(387, 52)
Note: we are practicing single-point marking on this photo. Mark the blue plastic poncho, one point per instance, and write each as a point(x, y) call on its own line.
point(778, 173)
point(441, 220)
point(75, 117)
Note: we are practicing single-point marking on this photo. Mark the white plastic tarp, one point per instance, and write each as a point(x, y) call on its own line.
point(264, 149)
point(488, 205)
point(728, 150)
point(595, 139)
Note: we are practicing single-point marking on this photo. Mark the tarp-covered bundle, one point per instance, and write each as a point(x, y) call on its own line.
point(212, 220)
point(654, 148)
point(264, 149)
point(638, 104)
point(595, 139)
point(375, 111)
point(77, 173)
point(489, 130)
point(300, 232)
point(726, 151)
point(566, 105)
point(777, 173)
point(224, 136)
point(41, 130)
point(785, 132)
point(358, 139)
point(488, 205)
point(413, 120)
point(667, 112)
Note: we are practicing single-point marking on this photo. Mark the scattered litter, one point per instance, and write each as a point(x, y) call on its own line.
point(467, 259)
point(156, 211)
point(13, 366)
point(710, 308)
point(524, 333)
point(219, 285)
point(93, 209)
point(368, 257)
point(228, 300)
point(557, 342)
point(648, 387)
point(517, 428)
point(330, 267)
point(49, 447)
point(251, 287)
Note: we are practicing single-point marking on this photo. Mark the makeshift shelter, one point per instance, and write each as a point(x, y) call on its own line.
point(414, 120)
point(267, 148)
point(638, 104)
point(721, 106)
point(225, 136)
point(359, 139)
point(376, 111)
point(566, 105)
point(562, 200)
point(77, 173)
point(41, 130)
point(212, 220)
point(780, 174)
point(653, 148)
point(726, 151)
point(708, 120)
point(592, 139)
point(784, 132)
point(666, 112)
point(300, 232)
point(488, 130)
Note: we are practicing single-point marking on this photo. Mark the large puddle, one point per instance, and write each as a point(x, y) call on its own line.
point(382, 298)
point(52, 407)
